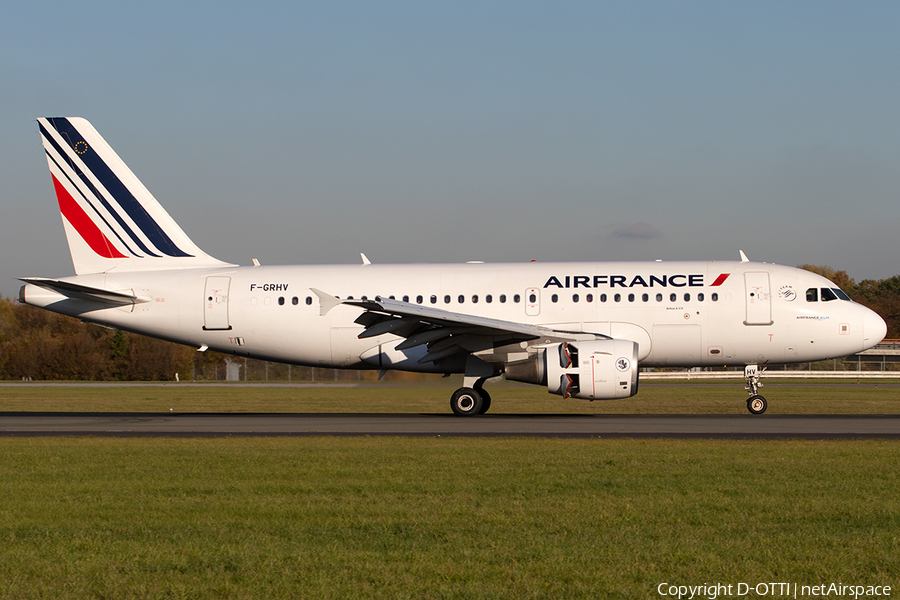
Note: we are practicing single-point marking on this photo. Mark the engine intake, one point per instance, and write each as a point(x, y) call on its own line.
point(594, 370)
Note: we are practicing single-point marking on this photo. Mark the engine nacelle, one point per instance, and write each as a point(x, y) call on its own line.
point(595, 370)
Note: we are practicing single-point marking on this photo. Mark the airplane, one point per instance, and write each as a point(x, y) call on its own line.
point(581, 329)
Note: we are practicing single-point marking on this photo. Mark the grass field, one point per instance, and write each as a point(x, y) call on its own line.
point(831, 397)
point(439, 518)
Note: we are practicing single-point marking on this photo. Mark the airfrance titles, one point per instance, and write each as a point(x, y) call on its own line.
point(630, 281)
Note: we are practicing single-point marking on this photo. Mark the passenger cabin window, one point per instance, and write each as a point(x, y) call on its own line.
point(447, 299)
point(502, 298)
point(812, 295)
point(488, 298)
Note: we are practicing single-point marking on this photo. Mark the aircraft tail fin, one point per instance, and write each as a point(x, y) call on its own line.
point(112, 222)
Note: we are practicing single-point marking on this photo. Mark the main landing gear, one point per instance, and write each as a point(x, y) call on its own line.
point(472, 399)
point(756, 404)
point(469, 401)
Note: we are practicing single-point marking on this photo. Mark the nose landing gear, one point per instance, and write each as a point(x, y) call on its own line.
point(756, 404)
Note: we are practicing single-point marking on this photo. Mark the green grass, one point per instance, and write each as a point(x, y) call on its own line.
point(834, 397)
point(439, 518)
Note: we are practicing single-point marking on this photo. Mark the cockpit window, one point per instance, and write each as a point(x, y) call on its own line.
point(841, 294)
point(828, 294)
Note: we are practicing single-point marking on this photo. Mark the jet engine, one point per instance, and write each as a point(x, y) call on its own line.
point(595, 370)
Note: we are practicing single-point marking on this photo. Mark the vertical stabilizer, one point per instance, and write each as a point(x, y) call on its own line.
point(112, 222)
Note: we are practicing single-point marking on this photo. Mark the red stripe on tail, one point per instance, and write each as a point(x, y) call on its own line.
point(83, 224)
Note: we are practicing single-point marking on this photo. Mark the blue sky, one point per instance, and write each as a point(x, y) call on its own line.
point(496, 131)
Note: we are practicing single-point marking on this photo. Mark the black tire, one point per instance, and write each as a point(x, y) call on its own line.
point(466, 402)
point(485, 401)
point(757, 405)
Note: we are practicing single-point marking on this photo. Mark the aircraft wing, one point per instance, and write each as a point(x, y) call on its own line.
point(444, 332)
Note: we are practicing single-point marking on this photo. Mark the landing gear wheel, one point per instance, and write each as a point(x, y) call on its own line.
point(756, 404)
point(466, 402)
point(485, 401)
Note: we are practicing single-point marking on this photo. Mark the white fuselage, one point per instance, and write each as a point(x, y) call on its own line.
point(679, 313)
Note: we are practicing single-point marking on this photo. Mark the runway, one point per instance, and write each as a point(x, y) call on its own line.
point(30, 424)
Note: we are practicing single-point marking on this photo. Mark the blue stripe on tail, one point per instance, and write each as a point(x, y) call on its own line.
point(118, 190)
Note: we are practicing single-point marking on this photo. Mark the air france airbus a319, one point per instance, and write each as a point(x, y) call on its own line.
point(582, 329)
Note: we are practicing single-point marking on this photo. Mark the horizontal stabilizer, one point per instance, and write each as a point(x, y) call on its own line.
point(85, 292)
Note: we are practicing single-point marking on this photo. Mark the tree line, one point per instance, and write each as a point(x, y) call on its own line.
point(36, 344)
point(42, 345)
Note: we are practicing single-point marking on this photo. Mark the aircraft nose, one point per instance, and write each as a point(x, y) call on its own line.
point(874, 328)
